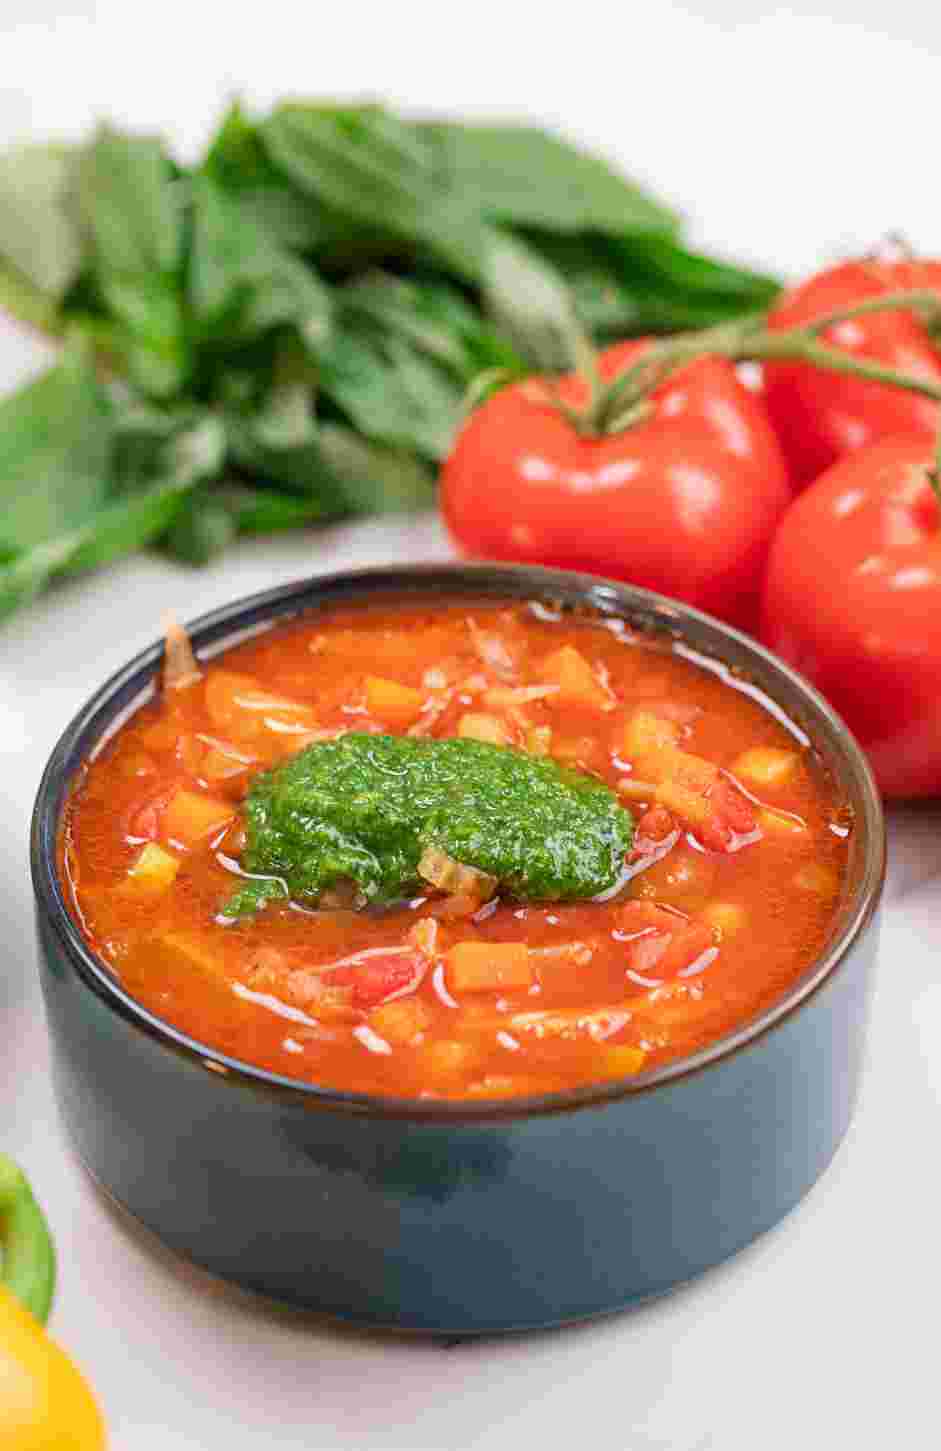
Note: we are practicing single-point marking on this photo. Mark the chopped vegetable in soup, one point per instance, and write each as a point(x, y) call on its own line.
point(473, 852)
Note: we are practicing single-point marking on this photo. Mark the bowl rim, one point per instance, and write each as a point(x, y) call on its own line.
point(227, 624)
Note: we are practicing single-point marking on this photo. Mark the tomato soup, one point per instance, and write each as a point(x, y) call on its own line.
point(472, 851)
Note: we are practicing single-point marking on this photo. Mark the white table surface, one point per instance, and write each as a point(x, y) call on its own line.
point(823, 1333)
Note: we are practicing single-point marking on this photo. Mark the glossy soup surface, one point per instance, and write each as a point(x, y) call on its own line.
point(728, 893)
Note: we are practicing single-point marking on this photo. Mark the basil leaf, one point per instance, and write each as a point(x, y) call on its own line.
point(241, 282)
point(38, 240)
point(55, 439)
point(130, 207)
point(528, 177)
point(204, 528)
point(650, 284)
point(120, 527)
point(338, 472)
point(435, 319)
point(531, 302)
point(376, 480)
point(239, 164)
point(382, 172)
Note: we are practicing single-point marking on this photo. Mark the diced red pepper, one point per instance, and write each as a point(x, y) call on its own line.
point(376, 979)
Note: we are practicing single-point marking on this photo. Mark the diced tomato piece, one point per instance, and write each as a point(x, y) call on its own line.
point(731, 816)
point(379, 978)
point(654, 827)
point(662, 944)
point(685, 948)
point(144, 821)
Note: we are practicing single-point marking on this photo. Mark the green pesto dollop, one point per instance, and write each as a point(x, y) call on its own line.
point(364, 808)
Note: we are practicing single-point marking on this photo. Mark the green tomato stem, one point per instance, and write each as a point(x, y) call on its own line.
point(750, 340)
point(27, 1257)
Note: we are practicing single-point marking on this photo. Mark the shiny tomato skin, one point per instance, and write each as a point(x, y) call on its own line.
point(684, 502)
point(820, 416)
point(853, 599)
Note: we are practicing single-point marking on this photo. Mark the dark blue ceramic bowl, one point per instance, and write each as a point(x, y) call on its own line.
point(449, 1217)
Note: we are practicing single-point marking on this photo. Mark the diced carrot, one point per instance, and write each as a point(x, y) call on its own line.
point(621, 1060)
point(479, 967)
point(249, 715)
point(402, 1021)
point(578, 684)
point(392, 703)
point(476, 726)
point(190, 817)
point(377, 977)
point(152, 873)
point(765, 766)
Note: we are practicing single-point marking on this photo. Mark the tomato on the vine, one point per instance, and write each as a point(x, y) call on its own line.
point(853, 599)
point(820, 416)
point(684, 500)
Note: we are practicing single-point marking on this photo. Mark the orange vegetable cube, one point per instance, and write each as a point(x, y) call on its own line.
point(477, 726)
point(621, 1061)
point(646, 732)
point(765, 766)
point(392, 703)
point(694, 808)
point(152, 873)
point(190, 817)
point(400, 1021)
point(480, 967)
point(578, 684)
point(239, 707)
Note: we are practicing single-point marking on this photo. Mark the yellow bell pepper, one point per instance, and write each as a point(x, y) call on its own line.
point(45, 1404)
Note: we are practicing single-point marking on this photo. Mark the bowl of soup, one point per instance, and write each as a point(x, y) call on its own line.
point(457, 949)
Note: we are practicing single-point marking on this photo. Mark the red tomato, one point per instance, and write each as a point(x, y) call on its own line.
point(379, 977)
point(821, 416)
point(684, 502)
point(853, 599)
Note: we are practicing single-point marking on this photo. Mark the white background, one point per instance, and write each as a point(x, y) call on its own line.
point(787, 138)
